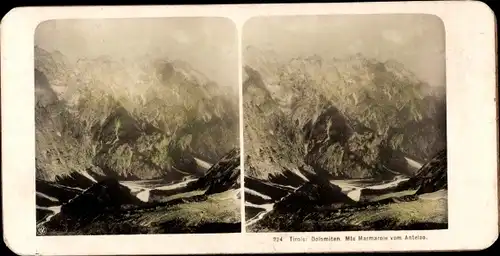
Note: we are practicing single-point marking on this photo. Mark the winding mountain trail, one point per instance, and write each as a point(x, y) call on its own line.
point(175, 185)
point(143, 195)
point(141, 188)
point(351, 187)
point(144, 190)
point(395, 182)
point(354, 187)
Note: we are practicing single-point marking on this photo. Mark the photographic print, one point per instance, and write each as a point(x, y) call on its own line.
point(137, 126)
point(344, 123)
point(249, 129)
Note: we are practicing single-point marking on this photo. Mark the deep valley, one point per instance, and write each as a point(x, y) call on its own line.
point(341, 144)
point(143, 147)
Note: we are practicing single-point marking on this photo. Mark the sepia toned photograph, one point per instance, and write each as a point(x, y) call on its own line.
point(344, 123)
point(249, 128)
point(137, 126)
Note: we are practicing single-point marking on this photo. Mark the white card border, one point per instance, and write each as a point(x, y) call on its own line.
point(472, 138)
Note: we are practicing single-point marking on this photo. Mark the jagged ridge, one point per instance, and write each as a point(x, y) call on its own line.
point(354, 118)
point(128, 120)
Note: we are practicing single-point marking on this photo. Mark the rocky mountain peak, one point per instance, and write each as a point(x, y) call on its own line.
point(378, 106)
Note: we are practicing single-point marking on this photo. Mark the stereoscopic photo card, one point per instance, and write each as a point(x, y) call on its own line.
point(346, 131)
point(136, 133)
point(249, 128)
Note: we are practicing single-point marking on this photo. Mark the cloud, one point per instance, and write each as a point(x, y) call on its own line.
point(181, 37)
point(208, 44)
point(392, 36)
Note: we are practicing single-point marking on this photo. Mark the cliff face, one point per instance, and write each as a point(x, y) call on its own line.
point(141, 120)
point(432, 177)
point(350, 118)
point(223, 175)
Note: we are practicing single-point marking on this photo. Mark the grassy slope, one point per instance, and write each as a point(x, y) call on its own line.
point(417, 203)
point(193, 208)
point(222, 207)
point(220, 210)
point(402, 214)
point(419, 214)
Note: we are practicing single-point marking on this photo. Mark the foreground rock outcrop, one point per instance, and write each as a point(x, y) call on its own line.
point(222, 176)
point(432, 177)
point(107, 195)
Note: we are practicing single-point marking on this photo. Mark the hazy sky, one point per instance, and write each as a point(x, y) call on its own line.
point(208, 44)
point(417, 41)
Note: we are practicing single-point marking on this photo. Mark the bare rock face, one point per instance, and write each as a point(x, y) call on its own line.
point(88, 116)
point(432, 176)
point(287, 177)
point(223, 175)
point(45, 94)
point(354, 117)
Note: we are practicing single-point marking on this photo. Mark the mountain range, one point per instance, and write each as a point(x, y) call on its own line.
point(95, 115)
point(132, 138)
point(341, 144)
point(353, 118)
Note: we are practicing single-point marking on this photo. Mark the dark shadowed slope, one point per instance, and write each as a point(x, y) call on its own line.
point(100, 198)
point(415, 204)
point(206, 205)
point(223, 175)
point(433, 175)
point(108, 207)
point(103, 196)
